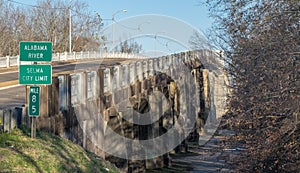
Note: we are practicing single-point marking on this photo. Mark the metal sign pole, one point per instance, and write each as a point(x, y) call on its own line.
point(35, 75)
point(33, 120)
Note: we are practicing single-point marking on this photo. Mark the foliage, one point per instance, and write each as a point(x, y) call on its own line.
point(261, 42)
point(46, 153)
point(48, 20)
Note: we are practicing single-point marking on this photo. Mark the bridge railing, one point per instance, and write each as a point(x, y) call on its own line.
point(10, 61)
point(11, 118)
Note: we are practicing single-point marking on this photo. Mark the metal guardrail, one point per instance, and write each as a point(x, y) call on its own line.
point(10, 61)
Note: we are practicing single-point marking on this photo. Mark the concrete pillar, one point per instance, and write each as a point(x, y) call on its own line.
point(116, 78)
point(206, 91)
point(150, 67)
point(139, 71)
point(124, 76)
point(155, 130)
point(145, 69)
point(83, 81)
point(25, 118)
point(7, 117)
point(84, 133)
point(161, 64)
point(107, 80)
point(132, 73)
point(156, 65)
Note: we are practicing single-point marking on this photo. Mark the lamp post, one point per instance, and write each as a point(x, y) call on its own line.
point(70, 26)
point(113, 20)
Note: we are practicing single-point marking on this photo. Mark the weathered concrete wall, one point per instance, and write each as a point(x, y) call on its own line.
point(82, 106)
point(10, 119)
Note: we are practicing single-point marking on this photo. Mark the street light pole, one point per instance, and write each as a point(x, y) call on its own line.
point(113, 20)
point(70, 26)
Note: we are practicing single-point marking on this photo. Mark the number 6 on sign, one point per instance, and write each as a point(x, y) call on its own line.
point(34, 101)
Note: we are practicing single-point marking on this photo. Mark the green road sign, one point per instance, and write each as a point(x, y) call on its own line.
point(35, 74)
point(34, 101)
point(35, 51)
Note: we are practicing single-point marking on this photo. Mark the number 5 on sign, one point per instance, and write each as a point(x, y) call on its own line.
point(34, 101)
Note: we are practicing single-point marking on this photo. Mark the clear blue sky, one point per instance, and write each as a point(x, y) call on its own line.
point(189, 11)
point(192, 12)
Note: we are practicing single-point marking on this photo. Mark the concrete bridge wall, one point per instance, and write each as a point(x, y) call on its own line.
point(81, 106)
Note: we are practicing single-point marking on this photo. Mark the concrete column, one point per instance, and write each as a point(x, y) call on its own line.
point(83, 87)
point(7, 120)
point(116, 78)
point(161, 64)
point(124, 76)
point(166, 63)
point(150, 67)
point(155, 65)
point(139, 71)
point(155, 130)
point(106, 80)
point(206, 91)
point(172, 65)
point(100, 90)
point(25, 118)
point(84, 134)
point(145, 69)
point(132, 73)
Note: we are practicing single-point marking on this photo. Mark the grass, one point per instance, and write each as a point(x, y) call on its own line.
point(46, 153)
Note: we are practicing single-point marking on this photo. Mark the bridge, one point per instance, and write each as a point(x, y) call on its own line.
point(128, 109)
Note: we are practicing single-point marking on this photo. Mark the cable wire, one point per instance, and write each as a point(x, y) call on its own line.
point(35, 6)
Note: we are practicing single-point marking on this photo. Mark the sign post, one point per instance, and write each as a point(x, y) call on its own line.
point(36, 74)
point(34, 107)
point(34, 101)
point(36, 51)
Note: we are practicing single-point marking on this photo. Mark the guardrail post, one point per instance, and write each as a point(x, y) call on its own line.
point(7, 61)
point(18, 60)
point(58, 56)
point(81, 55)
point(66, 56)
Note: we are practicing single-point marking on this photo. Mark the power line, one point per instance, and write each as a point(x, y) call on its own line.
point(127, 27)
point(35, 6)
point(52, 8)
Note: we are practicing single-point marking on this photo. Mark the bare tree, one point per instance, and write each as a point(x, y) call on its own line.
point(261, 42)
point(48, 20)
point(131, 47)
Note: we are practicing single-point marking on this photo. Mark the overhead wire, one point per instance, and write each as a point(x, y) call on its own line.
point(36, 6)
point(53, 8)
